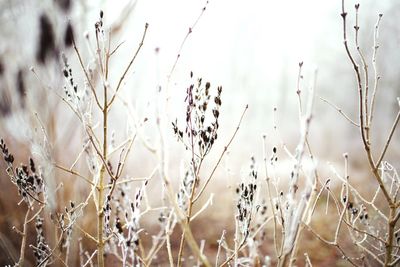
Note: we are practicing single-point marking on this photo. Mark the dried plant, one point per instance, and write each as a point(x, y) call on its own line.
point(370, 222)
point(270, 208)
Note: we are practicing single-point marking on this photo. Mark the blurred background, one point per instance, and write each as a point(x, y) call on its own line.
point(252, 49)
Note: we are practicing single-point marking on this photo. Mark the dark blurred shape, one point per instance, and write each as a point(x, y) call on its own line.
point(65, 5)
point(21, 89)
point(46, 44)
point(1, 67)
point(5, 103)
point(69, 35)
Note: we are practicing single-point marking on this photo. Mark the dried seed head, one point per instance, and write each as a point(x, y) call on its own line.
point(216, 113)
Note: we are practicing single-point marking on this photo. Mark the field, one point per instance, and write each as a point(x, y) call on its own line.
point(126, 143)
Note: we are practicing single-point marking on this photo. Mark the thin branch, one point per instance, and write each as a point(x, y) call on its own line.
point(89, 258)
point(308, 261)
point(116, 48)
point(332, 244)
point(366, 77)
point(86, 74)
point(298, 92)
point(340, 111)
point(394, 126)
point(354, 191)
point(366, 143)
point(79, 155)
point(86, 234)
point(129, 180)
point(184, 41)
point(101, 156)
point(267, 178)
point(122, 163)
point(205, 206)
point(221, 156)
point(74, 173)
point(36, 214)
point(129, 66)
point(376, 76)
point(43, 262)
point(24, 238)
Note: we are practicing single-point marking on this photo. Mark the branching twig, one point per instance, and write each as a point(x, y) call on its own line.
point(221, 156)
point(86, 74)
point(128, 67)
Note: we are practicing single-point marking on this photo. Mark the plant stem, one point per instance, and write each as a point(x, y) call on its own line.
point(192, 192)
point(101, 187)
point(389, 243)
point(23, 242)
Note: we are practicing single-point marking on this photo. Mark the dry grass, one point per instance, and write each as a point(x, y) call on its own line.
point(87, 207)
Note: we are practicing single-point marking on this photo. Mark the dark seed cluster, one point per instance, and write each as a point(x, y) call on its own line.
point(201, 129)
point(110, 167)
point(162, 218)
point(246, 192)
point(107, 214)
point(274, 157)
point(26, 177)
point(397, 236)
point(126, 220)
point(8, 157)
point(67, 72)
point(41, 250)
point(67, 223)
point(29, 183)
point(358, 212)
point(185, 190)
point(99, 24)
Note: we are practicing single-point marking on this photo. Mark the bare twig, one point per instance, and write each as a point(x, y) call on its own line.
point(394, 126)
point(86, 74)
point(183, 43)
point(221, 156)
point(340, 111)
point(73, 173)
point(376, 76)
point(128, 67)
point(24, 238)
